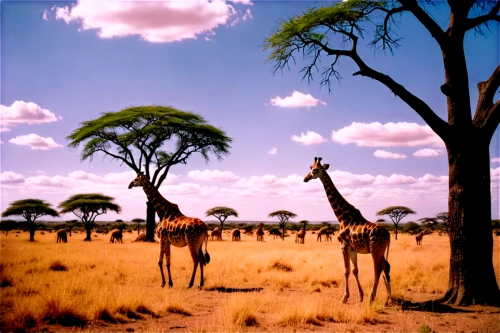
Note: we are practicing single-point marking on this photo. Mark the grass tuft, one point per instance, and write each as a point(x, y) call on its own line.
point(281, 266)
point(178, 310)
point(6, 282)
point(58, 266)
point(55, 313)
point(129, 313)
point(106, 316)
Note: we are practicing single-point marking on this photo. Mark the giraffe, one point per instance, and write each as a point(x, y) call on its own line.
point(177, 229)
point(420, 235)
point(357, 235)
point(215, 233)
point(62, 236)
point(260, 234)
point(236, 235)
point(300, 236)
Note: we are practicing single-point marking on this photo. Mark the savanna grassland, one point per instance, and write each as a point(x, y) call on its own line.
point(102, 287)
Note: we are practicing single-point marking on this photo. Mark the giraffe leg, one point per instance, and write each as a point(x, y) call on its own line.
point(160, 259)
point(167, 254)
point(354, 259)
point(196, 260)
point(347, 265)
point(378, 260)
point(387, 279)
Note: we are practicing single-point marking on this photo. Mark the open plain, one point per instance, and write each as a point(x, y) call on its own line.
point(250, 286)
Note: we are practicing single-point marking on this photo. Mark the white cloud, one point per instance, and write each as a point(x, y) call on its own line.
point(4, 129)
point(35, 142)
point(212, 175)
point(495, 160)
point(427, 152)
point(310, 138)
point(387, 154)
point(248, 15)
point(273, 151)
point(387, 135)
point(21, 112)
point(296, 100)
point(9, 177)
point(153, 21)
point(45, 15)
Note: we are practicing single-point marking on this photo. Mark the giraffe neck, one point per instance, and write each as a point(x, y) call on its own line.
point(346, 213)
point(162, 206)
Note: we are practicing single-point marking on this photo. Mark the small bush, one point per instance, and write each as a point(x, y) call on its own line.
point(425, 329)
point(58, 266)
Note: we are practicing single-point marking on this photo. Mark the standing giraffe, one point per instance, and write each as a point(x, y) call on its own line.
point(324, 231)
point(357, 235)
point(62, 236)
point(420, 235)
point(300, 236)
point(236, 235)
point(175, 228)
point(260, 234)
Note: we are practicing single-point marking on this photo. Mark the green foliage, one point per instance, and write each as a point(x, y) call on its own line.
point(411, 227)
point(88, 206)
point(30, 210)
point(495, 224)
point(425, 329)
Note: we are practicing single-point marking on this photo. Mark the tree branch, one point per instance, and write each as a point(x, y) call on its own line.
point(438, 125)
point(472, 23)
point(435, 30)
point(487, 112)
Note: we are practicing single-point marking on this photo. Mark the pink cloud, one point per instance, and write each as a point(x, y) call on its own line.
point(310, 138)
point(273, 151)
point(35, 142)
point(495, 160)
point(21, 112)
point(387, 135)
point(296, 100)
point(212, 175)
point(154, 21)
point(9, 177)
point(387, 154)
point(427, 152)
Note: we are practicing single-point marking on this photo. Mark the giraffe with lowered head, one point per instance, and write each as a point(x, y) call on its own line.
point(420, 235)
point(356, 235)
point(175, 229)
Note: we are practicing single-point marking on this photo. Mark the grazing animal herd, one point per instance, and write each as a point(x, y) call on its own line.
point(356, 235)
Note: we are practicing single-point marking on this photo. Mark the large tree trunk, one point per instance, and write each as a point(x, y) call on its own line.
point(396, 232)
point(150, 223)
point(88, 230)
point(32, 228)
point(472, 276)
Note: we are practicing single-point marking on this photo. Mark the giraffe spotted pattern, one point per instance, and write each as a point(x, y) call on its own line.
point(357, 235)
point(175, 229)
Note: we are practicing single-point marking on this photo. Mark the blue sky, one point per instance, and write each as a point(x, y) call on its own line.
point(63, 63)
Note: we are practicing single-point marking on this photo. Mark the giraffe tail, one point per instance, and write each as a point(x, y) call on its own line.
point(205, 256)
point(386, 267)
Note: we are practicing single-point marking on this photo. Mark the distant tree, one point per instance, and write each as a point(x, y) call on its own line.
point(70, 225)
point(138, 137)
point(381, 221)
point(396, 213)
point(430, 222)
point(221, 213)
point(7, 225)
point(283, 217)
point(443, 217)
point(87, 207)
point(119, 220)
point(411, 227)
point(138, 220)
point(248, 228)
point(30, 210)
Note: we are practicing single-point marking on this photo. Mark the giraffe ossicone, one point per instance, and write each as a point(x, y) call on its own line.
point(175, 229)
point(356, 235)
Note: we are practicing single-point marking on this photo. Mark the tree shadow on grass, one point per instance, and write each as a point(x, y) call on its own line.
point(428, 306)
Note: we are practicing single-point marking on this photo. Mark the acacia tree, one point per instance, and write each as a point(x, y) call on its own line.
point(138, 136)
point(87, 207)
point(30, 210)
point(443, 217)
point(138, 220)
point(283, 217)
point(396, 213)
point(221, 213)
point(335, 32)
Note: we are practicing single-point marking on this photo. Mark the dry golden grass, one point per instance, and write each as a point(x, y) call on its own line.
point(99, 286)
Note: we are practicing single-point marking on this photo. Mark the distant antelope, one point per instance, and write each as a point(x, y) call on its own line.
point(62, 236)
point(276, 233)
point(260, 234)
point(300, 236)
point(116, 234)
point(236, 235)
point(215, 233)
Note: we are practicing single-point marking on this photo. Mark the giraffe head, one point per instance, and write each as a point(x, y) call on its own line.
point(138, 181)
point(316, 169)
